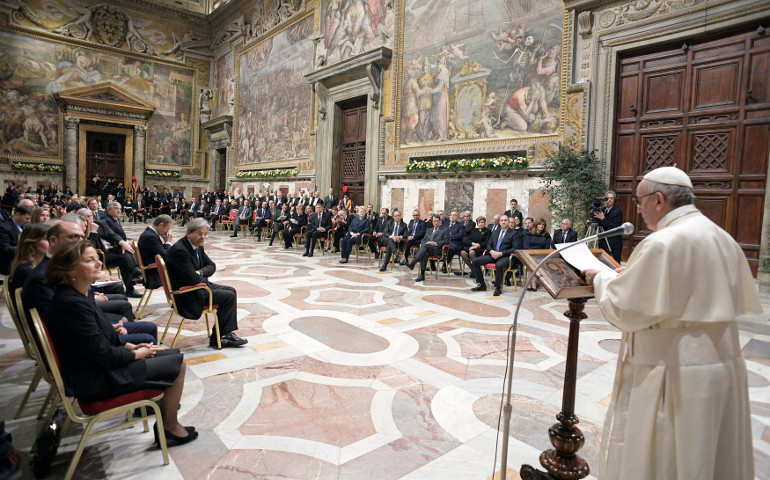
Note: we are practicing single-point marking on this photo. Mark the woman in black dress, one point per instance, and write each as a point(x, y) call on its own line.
point(539, 239)
point(95, 364)
point(31, 250)
point(475, 243)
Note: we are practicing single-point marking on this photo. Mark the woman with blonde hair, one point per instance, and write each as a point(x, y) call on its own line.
point(40, 215)
point(31, 250)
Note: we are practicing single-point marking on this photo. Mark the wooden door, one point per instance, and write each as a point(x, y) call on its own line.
point(105, 156)
point(353, 149)
point(705, 108)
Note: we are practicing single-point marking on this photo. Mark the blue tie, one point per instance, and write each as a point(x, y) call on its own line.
point(414, 227)
point(198, 256)
point(500, 240)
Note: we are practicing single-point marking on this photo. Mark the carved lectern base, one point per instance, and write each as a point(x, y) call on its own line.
point(562, 461)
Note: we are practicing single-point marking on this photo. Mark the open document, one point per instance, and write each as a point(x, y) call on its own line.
point(580, 257)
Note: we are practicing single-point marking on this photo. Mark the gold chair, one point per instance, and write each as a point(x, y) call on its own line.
point(510, 268)
point(171, 296)
point(299, 236)
point(108, 268)
point(438, 260)
point(365, 245)
point(30, 348)
point(97, 411)
point(399, 251)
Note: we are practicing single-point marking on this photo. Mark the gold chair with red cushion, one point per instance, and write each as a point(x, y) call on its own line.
point(175, 296)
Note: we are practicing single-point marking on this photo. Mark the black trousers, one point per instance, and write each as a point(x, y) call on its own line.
point(500, 265)
point(311, 238)
point(125, 263)
point(227, 299)
point(424, 252)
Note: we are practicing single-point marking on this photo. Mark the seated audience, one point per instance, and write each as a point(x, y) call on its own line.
point(565, 234)
point(280, 221)
point(318, 226)
point(358, 227)
point(501, 245)
point(188, 264)
point(474, 244)
point(432, 243)
point(295, 224)
point(261, 219)
point(9, 236)
point(456, 234)
point(243, 217)
point(416, 230)
point(155, 240)
point(40, 215)
point(31, 250)
point(381, 226)
point(341, 224)
point(95, 363)
point(393, 239)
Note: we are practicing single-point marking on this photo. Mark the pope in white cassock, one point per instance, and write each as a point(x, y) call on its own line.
point(680, 404)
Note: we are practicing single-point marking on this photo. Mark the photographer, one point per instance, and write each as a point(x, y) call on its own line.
point(610, 217)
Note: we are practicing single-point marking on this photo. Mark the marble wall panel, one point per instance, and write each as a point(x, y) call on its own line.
point(496, 202)
point(459, 196)
point(540, 206)
point(425, 203)
point(397, 198)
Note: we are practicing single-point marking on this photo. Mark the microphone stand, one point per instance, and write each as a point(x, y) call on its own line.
point(508, 408)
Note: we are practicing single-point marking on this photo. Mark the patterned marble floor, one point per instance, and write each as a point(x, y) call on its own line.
point(354, 374)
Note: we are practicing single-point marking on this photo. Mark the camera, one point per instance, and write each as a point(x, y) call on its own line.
point(596, 205)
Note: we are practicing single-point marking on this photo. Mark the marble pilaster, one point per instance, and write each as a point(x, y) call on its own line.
point(71, 151)
point(140, 152)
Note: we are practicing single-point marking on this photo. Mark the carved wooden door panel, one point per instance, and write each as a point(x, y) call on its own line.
point(705, 109)
point(353, 150)
point(105, 156)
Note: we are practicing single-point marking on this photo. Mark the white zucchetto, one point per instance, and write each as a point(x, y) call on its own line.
point(669, 176)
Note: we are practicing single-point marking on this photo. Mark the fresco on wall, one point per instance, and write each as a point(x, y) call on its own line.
point(480, 70)
point(352, 27)
point(223, 84)
point(274, 98)
point(32, 69)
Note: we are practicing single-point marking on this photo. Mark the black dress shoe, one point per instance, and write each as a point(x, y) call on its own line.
point(497, 292)
point(383, 268)
point(443, 268)
point(460, 273)
point(411, 265)
point(233, 235)
point(305, 254)
point(172, 439)
point(133, 293)
point(507, 282)
point(310, 254)
point(420, 278)
point(271, 243)
point(479, 288)
point(229, 340)
point(402, 262)
point(344, 260)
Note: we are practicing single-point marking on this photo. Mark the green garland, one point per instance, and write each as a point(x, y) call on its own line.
point(163, 173)
point(37, 167)
point(503, 162)
point(277, 173)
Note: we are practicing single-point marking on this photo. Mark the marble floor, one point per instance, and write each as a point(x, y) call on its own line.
point(354, 374)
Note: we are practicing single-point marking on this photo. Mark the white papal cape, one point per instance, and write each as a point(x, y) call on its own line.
point(680, 406)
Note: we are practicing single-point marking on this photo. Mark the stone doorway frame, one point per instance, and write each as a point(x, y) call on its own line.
point(108, 108)
point(352, 78)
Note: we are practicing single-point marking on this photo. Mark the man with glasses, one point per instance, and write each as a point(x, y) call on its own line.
point(680, 404)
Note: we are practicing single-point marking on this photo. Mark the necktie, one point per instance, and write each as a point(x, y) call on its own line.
point(319, 219)
point(395, 230)
point(500, 241)
point(414, 227)
point(198, 256)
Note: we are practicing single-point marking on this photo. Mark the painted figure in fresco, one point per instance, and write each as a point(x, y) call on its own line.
point(524, 107)
point(76, 74)
point(136, 81)
point(440, 109)
point(544, 64)
point(426, 85)
point(352, 27)
point(410, 112)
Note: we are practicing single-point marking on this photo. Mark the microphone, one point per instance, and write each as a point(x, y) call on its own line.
point(625, 229)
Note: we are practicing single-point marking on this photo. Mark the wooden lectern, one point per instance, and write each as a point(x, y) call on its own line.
point(561, 280)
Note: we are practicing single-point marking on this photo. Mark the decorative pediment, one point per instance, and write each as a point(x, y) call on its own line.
point(104, 96)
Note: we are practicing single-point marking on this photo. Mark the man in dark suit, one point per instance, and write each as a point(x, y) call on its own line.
point(213, 216)
point(98, 214)
point(243, 218)
point(261, 219)
point(468, 223)
point(456, 234)
point(116, 251)
point(432, 243)
point(415, 232)
point(155, 240)
point(500, 247)
point(393, 239)
point(565, 234)
point(138, 208)
point(177, 207)
point(382, 225)
point(611, 216)
point(203, 209)
point(315, 199)
point(331, 200)
point(318, 226)
point(341, 224)
point(514, 212)
point(111, 220)
point(9, 236)
point(189, 211)
point(187, 265)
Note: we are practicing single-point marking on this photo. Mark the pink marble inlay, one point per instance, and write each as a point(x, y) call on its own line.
point(293, 409)
point(425, 202)
point(497, 202)
point(396, 199)
point(339, 335)
point(540, 207)
point(353, 276)
point(465, 305)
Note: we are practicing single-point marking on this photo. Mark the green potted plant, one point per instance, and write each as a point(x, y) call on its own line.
point(573, 178)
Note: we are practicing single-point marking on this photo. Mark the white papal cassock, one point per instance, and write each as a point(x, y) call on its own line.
point(680, 406)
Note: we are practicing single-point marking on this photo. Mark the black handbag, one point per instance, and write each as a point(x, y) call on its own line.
point(46, 446)
point(9, 457)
